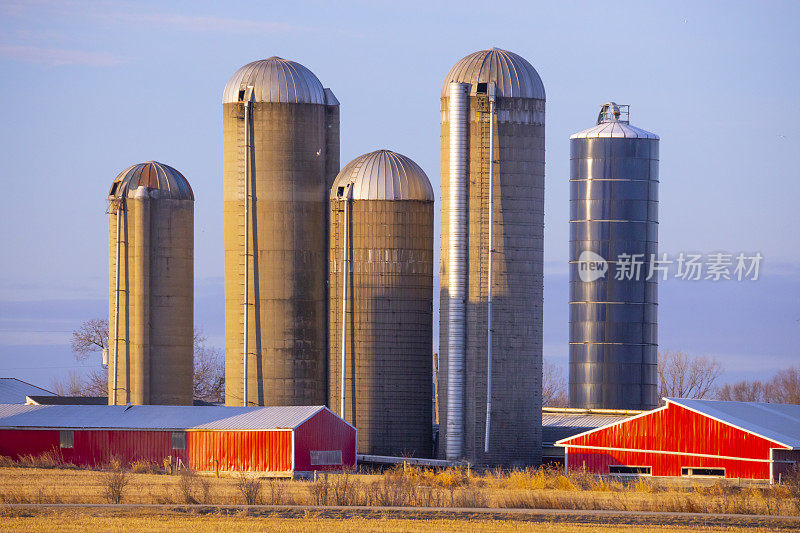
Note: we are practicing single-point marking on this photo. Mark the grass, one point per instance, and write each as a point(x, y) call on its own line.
point(30, 482)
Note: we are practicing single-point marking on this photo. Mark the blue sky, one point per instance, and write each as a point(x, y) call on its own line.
point(93, 87)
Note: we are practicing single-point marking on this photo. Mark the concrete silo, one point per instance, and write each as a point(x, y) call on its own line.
point(382, 303)
point(613, 237)
point(151, 286)
point(281, 154)
point(492, 168)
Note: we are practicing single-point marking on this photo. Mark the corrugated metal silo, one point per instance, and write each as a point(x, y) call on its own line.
point(492, 132)
point(281, 154)
point(382, 282)
point(613, 223)
point(151, 286)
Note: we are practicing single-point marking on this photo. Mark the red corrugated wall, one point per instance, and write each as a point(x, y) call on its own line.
point(18, 442)
point(92, 447)
point(674, 429)
point(252, 451)
point(324, 432)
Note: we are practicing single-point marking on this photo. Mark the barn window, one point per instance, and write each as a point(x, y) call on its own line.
point(67, 439)
point(326, 457)
point(178, 440)
point(630, 470)
point(705, 472)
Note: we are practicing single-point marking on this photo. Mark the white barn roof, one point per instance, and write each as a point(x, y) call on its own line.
point(775, 421)
point(155, 417)
point(13, 390)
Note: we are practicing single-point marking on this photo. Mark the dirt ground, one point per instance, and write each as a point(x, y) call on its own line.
point(93, 519)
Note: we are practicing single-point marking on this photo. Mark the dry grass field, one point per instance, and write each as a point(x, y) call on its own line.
point(35, 482)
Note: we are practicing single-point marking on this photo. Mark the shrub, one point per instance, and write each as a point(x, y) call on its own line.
point(187, 485)
point(275, 489)
point(339, 489)
point(114, 483)
point(250, 489)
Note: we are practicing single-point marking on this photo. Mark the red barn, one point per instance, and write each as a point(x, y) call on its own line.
point(705, 438)
point(275, 440)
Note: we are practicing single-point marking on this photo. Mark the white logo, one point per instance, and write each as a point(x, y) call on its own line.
point(591, 266)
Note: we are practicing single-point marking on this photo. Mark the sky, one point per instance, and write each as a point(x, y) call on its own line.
point(94, 87)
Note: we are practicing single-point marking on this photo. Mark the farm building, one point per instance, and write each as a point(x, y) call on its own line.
point(275, 440)
point(13, 390)
point(562, 422)
point(693, 438)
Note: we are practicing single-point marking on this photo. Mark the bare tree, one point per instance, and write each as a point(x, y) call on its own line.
point(683, 376)
point(785, 386)
point(554, 386)
point(90, 337)
point(745, 391)
point(209, 371)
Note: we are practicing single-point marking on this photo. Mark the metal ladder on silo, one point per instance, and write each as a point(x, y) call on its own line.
point(482, 100)
point(339, 251)
point(244, 285)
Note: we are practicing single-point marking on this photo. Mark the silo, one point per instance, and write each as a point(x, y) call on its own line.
point(382, 303)
point(492, 169)
point(613, 239)
point(281, 154)
point(151, 286)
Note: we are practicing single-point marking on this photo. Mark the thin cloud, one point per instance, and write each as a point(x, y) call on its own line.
point(199, 23)
point(57, 56)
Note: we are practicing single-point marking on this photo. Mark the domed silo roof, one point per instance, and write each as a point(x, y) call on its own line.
point(154, 175)
point(275, 80)
point(384, 175)
point(513, 75)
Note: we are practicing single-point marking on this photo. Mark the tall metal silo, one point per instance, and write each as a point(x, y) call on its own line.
point(492, 168)
point(281, 154)
point(151, 286)
point(613, 237)
point(382, 303)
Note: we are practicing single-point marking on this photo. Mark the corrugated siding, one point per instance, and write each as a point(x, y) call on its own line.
point(673, 429)
point(250, 451)
point(17, 442)
point(679, 429)
point(324, 432)
point(92, 447)
point(597, 462)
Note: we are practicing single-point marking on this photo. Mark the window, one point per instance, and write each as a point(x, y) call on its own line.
point(706, 472)
point(630, 470)
point(178, 440)
point(67, 439)
point(482, 88)
point(326, 457)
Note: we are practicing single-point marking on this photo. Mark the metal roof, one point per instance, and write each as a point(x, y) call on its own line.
point(154, 175)
point(276, 80)
point(384, 175)
point(512, 74)
point(155, 417)
point(568, 422)
point(774, 421)
point(614, 130)
point(13, 390)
